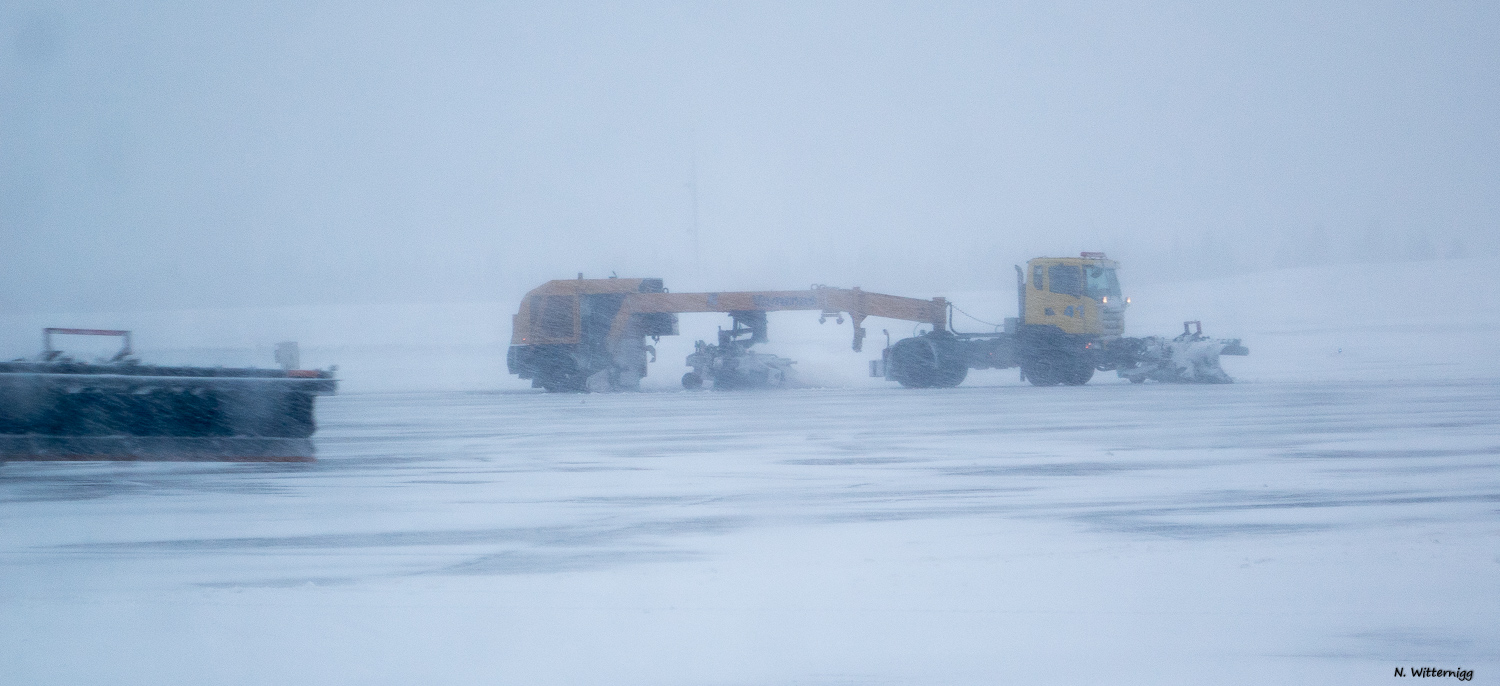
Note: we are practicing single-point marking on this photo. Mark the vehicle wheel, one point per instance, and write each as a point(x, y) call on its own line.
point(562, 379)
point(927, 362)
point(564, 385)
point(557, 370)
point(1079, 373)
point(1137, 379)
point(1040, 372)
point(692, 381)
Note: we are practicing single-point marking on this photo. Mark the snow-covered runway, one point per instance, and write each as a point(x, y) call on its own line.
point(985, 534)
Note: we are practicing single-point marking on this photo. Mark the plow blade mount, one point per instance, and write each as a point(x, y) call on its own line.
point(1189, 358)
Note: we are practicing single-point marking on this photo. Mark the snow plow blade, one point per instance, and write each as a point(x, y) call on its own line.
point(1189, 358)
point(58, 409)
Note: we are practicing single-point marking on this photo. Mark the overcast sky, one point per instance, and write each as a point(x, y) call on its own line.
point(157, 155)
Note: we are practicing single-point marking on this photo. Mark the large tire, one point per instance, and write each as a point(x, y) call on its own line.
point(562, 375)
point(565, 384)
point(692, 381)
point(1041, 372)
point(927, 362)
point(1079, 373)
point(1051, 370)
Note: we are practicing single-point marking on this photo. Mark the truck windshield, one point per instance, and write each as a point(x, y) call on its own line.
point(1102, 282)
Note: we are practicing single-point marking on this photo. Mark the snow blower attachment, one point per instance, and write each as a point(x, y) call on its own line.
point(58, 408)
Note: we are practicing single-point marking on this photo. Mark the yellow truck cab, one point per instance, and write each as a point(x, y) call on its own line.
point(1078, 295)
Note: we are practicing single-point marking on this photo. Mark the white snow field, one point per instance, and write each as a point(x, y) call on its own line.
point(1333, 516)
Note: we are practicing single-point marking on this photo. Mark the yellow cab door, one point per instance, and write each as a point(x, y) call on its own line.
point(1055, 296)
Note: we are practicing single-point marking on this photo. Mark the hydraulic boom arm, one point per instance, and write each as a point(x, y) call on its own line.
point(858, 303)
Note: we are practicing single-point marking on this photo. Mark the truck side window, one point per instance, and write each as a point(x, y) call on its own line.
point(1065, 279)
point(552, 315)
point(1036, 277)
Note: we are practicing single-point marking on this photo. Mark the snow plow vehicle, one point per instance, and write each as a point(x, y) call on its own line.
point(590, 334)
point(1070, 323)
point(56, 408)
